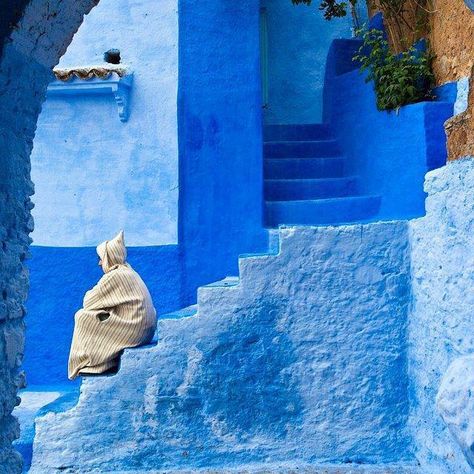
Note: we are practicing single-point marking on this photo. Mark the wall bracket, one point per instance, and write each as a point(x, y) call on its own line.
point(95, 81)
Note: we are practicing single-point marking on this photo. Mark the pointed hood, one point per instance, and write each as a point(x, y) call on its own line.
point(112, 252)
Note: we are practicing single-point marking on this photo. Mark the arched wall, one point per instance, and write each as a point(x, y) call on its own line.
point(33, 46)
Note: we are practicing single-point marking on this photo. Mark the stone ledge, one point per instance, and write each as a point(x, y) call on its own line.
point(95, 81)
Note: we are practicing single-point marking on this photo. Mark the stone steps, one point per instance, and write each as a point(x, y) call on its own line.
point(297, 132)
point(301, 149)
point(348, 209)
point(275, 366)
point(306, 180)
point(298, 189)
point(301, 168)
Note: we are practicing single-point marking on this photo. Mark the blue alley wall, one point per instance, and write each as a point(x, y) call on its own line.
point(294, 53)
point(220, 138)
point(96, 172)
point(59, 277)
point(391, 152)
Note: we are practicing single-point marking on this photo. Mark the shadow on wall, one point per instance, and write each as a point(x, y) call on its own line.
point(390, 151)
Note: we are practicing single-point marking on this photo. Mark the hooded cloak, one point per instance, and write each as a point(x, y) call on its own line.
point(117, 313)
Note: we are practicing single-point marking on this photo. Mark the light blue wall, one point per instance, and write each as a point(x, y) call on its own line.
point(94, 174)
point(298, 41)
point(442, 317)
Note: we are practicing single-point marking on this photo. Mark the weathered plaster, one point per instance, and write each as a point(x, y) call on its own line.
point(303, 361)
point(34, 47)
point(451, 34)
point(455, 403)
point(441, 320)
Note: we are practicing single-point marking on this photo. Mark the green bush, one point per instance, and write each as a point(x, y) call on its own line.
point(399, 79)
point(331, 8)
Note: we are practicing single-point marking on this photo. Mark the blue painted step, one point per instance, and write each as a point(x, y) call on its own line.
point(322, 211)
point(297, 189)
point(181, 313)
point(301, 149)
point(299, 132)
point(291, 168)
point(226, 282)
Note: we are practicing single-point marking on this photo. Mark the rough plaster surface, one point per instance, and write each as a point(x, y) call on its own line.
point(28, 56)
point(455, 403)
point(303, 361)
point(441, 320)
point(94, 172)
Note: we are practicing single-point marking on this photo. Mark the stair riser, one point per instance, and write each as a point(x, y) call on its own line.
point(296, 132)
point(304, 168)
point(323, 212)
point(301, 149)
point(309, 189)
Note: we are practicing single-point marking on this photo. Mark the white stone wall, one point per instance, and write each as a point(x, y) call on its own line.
point(442, 314)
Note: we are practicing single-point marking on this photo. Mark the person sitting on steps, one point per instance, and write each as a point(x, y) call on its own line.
point(117, 313)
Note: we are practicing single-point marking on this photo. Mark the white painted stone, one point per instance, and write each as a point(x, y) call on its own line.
point(455, 403)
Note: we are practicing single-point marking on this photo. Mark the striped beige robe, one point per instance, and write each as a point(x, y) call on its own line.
point(122, 298)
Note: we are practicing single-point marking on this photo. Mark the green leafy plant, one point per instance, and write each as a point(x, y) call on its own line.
point(399, 79)
point(331, 8)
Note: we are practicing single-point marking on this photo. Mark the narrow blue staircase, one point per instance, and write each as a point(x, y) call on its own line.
point(306, 182)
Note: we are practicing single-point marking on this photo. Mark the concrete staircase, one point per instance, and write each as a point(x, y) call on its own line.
point(297, 364)
point(306, 181)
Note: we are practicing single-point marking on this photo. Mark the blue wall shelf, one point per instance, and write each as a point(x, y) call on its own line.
point(118, 86)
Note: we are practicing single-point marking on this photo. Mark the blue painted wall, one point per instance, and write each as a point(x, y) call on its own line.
point(220, 172)
point(298, 39)
point(94, 174)
point(220, 138)
point(59, 278)
point(391, 152)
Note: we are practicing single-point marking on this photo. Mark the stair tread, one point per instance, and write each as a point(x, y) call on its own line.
point(181, 313)
point(310, 188)
point(282, 149)
point(316, 180)
point(292, 132)
point(292, 142)
point(226, 282)
point(304, 158)
point(326, 200)
point(323, 211)
point(300, 168)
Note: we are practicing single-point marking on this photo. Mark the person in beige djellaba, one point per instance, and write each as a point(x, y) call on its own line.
point(118, 313)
